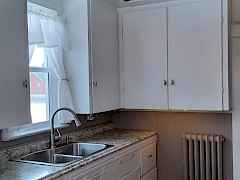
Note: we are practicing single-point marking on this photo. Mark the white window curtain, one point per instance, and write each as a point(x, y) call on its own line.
point(49, 33)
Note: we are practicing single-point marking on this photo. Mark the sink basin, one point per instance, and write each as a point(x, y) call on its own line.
point(64, 155)
point(49, 157)
point(81, 149)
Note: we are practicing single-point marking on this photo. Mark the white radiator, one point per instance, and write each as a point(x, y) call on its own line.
point(203, 157)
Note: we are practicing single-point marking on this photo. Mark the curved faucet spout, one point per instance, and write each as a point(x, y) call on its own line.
point(76, 120)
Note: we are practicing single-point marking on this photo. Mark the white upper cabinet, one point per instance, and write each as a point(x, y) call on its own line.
point(92, 55)
point(144, 59)
point(195, 56)
point(105, 66)
point(174, 55)
point(14, 97)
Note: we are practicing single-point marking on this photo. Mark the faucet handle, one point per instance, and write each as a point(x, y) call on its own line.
point(59, 135)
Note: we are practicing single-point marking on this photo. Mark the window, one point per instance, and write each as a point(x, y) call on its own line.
point(49, 87)
point(39, 85)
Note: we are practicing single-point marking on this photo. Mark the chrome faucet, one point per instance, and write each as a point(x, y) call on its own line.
point(52, 136)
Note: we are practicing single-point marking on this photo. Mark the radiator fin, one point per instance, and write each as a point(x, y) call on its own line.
point(203, 157)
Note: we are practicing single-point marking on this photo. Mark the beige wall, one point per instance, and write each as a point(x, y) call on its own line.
point(236, 10)
point(170, 128)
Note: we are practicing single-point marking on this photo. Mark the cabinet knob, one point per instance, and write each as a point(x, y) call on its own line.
point(95, 83)
point(25, 83)
point(165, 82)
point(172, 83)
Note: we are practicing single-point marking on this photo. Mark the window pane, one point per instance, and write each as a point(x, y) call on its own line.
point(38, 58)
point(39, 96)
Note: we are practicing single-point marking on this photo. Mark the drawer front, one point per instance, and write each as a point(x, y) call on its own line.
point(134, 175)
point(148, 158)
point(122, 166)
point(152, 175)
point(95, 174)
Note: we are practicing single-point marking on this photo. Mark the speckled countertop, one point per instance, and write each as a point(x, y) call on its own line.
point(119, 138)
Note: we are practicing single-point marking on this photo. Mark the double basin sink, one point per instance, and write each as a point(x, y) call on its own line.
point(64, 155)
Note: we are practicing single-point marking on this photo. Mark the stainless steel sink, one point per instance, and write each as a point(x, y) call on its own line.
point(64, 155)
point(49, 157)
point(81, 149)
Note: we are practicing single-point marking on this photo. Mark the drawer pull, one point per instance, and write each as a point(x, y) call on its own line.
point(150, 156)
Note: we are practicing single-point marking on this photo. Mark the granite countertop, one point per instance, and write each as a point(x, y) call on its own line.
point(119, 138)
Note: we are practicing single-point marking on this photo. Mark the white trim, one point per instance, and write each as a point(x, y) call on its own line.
point(120, 56)
point(225, 55)
point(91, 55)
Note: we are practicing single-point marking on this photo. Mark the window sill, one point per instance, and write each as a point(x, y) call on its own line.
point(15, 133)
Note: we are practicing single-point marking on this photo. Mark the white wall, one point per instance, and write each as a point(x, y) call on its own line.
point(236, 10)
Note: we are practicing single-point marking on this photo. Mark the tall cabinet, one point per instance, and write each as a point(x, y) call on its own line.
point(174, 56)
point(92, 54)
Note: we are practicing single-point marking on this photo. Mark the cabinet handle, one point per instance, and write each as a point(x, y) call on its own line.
point(25, 83)
point(172, 83)
point(150, 156)
point(165, 82)
point(95, 83)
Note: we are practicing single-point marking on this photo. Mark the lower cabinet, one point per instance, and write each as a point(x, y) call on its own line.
point(94, 176)
point(134, 175)
point(137, 163)
point(152, 175)
point(148, 159)
point(122, 166)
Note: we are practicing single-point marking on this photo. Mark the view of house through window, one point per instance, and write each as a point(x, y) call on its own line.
point(39, 80)
point(49, 84)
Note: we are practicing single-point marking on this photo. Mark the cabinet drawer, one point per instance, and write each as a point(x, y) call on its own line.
point(148, 159)
point(122, 166)
point(152, 175)
point(134, 175)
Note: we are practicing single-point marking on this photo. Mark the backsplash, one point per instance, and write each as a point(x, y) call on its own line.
point(37, 145)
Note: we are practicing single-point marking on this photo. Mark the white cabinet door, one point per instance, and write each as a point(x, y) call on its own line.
point(195, 56)
point(144, 59)
point(92, 57)
point(14, 98)
point(105, 68)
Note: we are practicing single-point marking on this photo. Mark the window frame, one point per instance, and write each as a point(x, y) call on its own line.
point(43, 70)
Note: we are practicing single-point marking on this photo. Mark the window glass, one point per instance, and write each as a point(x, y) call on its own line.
point(39, 85)
point(38, 58)
point(39, 96)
